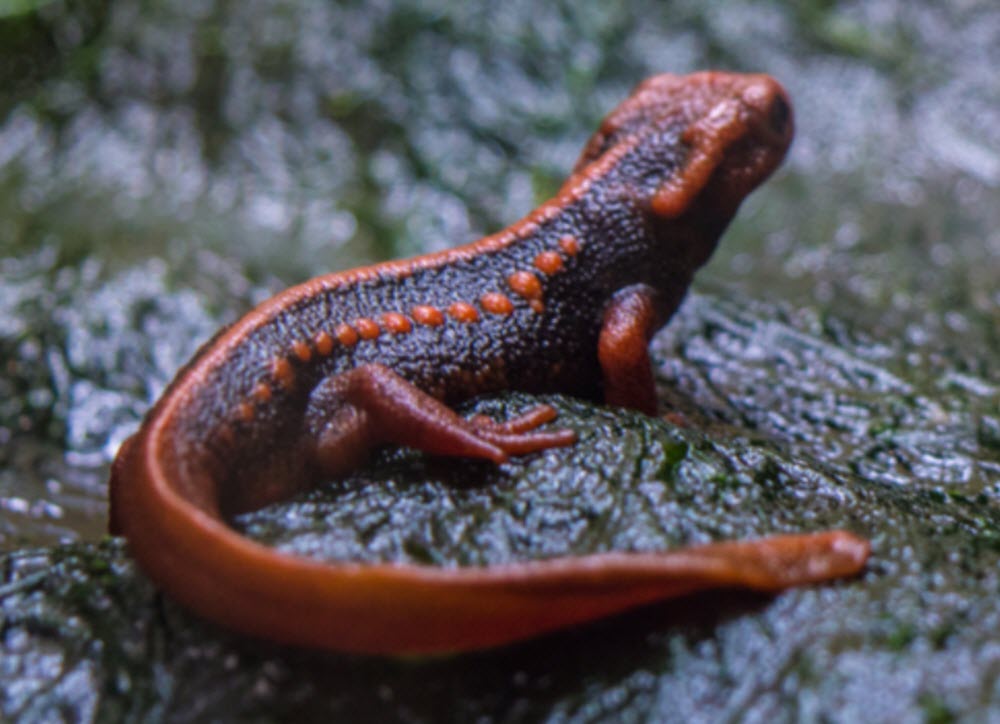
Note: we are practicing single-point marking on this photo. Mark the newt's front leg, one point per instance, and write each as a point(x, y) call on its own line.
point(631, 319)
point(374, 405)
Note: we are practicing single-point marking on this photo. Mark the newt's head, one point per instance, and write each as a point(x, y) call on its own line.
point(695, 144)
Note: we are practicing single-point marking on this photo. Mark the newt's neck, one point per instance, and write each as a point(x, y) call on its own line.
point(625, 240)
point(623, 243)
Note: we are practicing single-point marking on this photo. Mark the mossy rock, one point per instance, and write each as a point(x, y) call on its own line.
point(914, 637)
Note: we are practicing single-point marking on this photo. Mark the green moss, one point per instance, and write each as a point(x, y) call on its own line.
point(935, 711)
point(900, 638)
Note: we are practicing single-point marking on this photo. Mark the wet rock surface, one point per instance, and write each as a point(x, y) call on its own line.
point(163, 168)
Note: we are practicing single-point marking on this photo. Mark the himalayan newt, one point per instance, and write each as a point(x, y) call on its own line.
point(305, 385)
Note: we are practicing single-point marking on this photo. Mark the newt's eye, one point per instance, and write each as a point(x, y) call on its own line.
point(779, 115)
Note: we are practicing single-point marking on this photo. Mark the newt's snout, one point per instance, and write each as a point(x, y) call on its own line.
point(770, 111)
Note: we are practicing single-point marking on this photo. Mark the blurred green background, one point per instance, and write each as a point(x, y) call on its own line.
point(165, 165)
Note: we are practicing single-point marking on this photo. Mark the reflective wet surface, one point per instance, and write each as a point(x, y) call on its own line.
point(165, 166)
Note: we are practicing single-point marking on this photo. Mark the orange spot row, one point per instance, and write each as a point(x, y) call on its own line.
point(569, 245)
point(528, 286)
point(324, 344)
point(346, 335)
point(245, 411)
point(496, 303)
point(283, 373)
point(367, 328)
point(396, 323)
point(429, 316)
point(523, 283)
point(262, 392)
point(463, 312)
point(302, 350)
point(549, 262)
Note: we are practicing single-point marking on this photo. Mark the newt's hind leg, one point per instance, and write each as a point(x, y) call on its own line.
point(376, 405)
